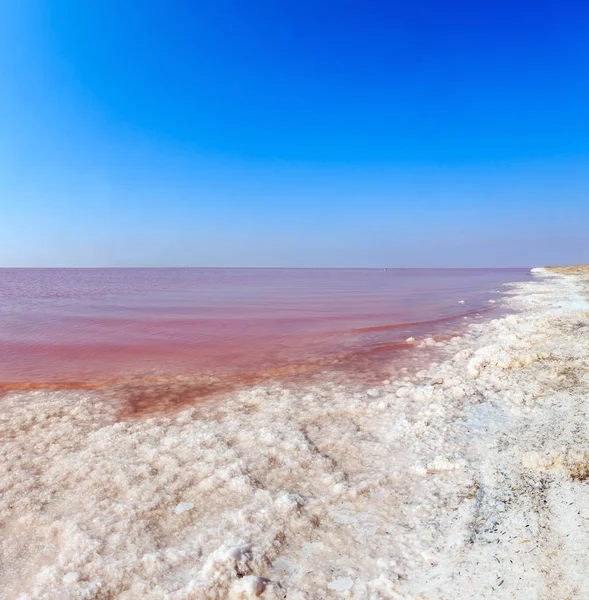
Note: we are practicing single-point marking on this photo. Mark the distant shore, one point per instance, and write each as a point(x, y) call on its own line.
point(571, 270)
point(467, 479)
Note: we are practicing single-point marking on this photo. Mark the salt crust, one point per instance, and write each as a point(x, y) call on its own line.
point(403, 492)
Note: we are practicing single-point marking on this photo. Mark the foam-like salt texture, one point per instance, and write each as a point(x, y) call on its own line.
point(421, 488)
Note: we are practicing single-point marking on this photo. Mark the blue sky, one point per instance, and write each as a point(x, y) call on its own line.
point(293, 133)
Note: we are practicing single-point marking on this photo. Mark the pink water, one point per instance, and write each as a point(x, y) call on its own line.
point(86, 327)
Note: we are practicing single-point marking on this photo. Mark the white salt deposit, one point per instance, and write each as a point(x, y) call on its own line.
point(463, 481)
point(183, 507)
point(341, 585)
point(71, 577)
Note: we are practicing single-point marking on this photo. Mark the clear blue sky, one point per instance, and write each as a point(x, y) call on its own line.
point(293, 133)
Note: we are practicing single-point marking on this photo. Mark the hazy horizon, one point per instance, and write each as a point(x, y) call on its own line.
point(289, 268)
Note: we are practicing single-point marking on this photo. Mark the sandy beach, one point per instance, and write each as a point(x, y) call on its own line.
point(467, 479)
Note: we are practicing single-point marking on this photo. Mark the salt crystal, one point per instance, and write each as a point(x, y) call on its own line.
point(183, 507)
point(250, 585)
point(71, 577)
point(341, 585)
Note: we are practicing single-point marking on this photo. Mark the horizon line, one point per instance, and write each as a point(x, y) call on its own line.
point(267, 267)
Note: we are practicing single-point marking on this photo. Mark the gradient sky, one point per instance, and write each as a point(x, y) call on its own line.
point(293, 133)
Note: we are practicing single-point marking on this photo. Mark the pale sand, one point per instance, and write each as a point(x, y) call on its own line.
point(464, 481)
point(571, 270)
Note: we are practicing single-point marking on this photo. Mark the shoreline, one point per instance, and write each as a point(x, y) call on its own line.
point(532, 520)
point(358, 367)
point(222, 332)
point(424, 487)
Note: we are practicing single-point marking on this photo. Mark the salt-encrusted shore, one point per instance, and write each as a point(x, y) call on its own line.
point(467, 480)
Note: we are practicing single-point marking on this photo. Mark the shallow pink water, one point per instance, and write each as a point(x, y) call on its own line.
point(77, 326)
